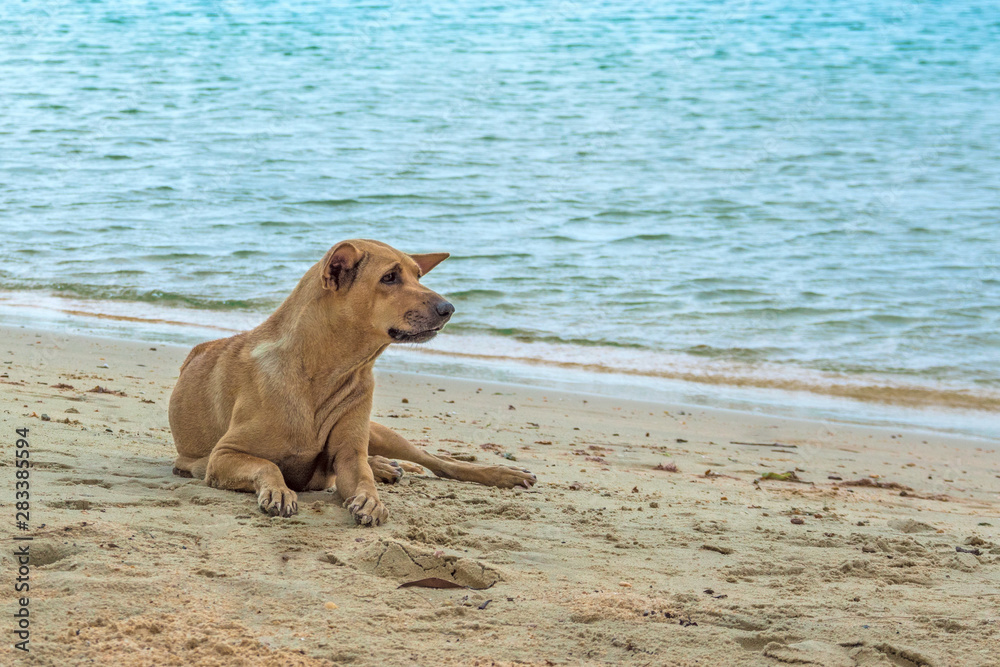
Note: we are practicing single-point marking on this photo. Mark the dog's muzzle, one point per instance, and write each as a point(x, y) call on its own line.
point(442, 309)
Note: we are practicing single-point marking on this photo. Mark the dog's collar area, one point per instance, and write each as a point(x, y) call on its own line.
point(399, 336)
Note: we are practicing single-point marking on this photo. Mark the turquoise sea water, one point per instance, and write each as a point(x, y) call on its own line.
point(774, 193)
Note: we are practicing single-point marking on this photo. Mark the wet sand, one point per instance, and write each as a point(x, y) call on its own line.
point(652, 538)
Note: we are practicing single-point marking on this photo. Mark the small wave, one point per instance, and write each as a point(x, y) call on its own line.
point(730, 353)
point(777, 313)
point(471, 293)
point(615, 213)
point(277, 223)
point(328, 202)
point(168, 256)
point(645, 238)
point(892, 319)
point(502, 255)
point(558, 238)
point(847, 230)
point(531, 336)
point(105, 293)
point(727, 293)
point(406, 197)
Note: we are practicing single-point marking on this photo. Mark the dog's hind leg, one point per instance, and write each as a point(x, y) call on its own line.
point(385, 471)
point(186, 466)
point(383, 441)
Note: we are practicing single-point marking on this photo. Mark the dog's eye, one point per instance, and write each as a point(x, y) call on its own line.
point(390, 278)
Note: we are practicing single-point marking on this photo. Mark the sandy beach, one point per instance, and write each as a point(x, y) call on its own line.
point(725, 277)
point(657, 534)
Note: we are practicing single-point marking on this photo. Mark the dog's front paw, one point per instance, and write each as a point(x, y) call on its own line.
point(278, 501)
point(385, 470)
point(367, 510)
point(505, 477)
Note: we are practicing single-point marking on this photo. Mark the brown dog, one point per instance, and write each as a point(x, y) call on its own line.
point(286, 407)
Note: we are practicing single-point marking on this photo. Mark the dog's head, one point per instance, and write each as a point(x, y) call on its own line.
point(381, 288)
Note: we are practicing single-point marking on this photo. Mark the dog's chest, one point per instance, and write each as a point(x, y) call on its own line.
point(315, 446)
point(298, 470)
point(344, 400)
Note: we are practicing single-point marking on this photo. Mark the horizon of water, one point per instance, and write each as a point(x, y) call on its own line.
point(739, 194)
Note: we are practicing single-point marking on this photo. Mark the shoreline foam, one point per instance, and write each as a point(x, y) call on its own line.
point(777, 389)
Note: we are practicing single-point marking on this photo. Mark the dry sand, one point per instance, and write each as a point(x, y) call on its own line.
point(609, 560)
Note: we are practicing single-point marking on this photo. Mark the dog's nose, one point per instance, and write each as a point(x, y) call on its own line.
point(444, 309)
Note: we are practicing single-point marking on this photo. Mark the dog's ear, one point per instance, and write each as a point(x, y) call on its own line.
point(428, 261)
point(341, 265)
